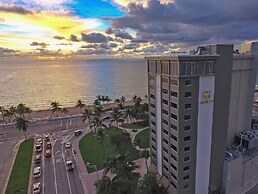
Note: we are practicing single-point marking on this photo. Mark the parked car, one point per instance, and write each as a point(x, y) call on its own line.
point(36, 188)
point(38, 158)
point(39, 141)
point(78, 132)
point(69, 165)
point(46, 136)
point(36, 172)
point(68, 144)
point(49, 145)
point(48, 153)
point(38, 147)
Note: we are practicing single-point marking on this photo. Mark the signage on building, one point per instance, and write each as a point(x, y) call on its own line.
point(206, 97)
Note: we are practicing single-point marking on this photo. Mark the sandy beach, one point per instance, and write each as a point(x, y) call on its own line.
point(71, 111)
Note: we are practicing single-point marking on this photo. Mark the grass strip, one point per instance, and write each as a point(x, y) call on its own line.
point(19, 179)
point(144, 138)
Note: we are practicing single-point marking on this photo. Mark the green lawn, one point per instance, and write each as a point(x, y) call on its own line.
point(19, 178)
point(144, 138)
point(94, 153)
point(137, 125)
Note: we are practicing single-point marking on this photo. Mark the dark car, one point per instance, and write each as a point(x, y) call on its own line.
point(77, 132)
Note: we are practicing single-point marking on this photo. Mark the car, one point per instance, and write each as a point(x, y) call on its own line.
point(78, 132)
point(48, 145)
point(106, 118)
point(68, 144)
point(69, 165)
point(48, 153)
point(39, 141)
point(36, 187)
point(38, 158)
point(46, 136)
point(38, 148)
point(36, 172)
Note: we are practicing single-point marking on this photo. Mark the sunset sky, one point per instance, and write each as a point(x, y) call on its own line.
point(121, 27)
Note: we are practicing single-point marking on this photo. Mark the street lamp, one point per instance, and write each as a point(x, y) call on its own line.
point(94, 166)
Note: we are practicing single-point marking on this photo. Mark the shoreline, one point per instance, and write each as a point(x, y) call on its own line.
point(39, 114)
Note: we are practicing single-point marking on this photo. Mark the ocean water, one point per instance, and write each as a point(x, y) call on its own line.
point(38, 83)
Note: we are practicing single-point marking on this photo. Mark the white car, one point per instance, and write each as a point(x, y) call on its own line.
point(36, 187)
point(38, 148)
point(69, 165)
point(68, 144)
point(36, 172)
point(39, 141)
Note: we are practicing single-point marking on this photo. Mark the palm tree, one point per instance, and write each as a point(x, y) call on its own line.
point(22, 109)
point(115, 115)
point(100, 136)
point(22, 125)
point(107, 185)
point(80, 104)
point(64, 110)
point(97, 123)
point(87, 115)
point(145, 154)
point(7, 114)
point(55, 107)
point(122, 100)
point(128, 114)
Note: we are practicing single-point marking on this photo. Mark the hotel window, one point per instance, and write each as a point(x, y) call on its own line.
point(165, 122)
point(186, 187)
point(164, 91)
point(187, 177)
point(165, 67)
point(188, 82)
point(152, 96)
point(207, 68)
point(174, 147)
point(153, 155)
point(187, 138)
point(174, 94)
point(187, 148)
point(165, 141)
point(188, 106)
point(173, 127)
point(165, 111)
point(165, 159)
point(165, 150)
point(152, 105)
point(151, 77)
point(186, 168)
point(154, 140)
point(187, 117)
point(153, 147)
point(173, 116)
point(173, 184)
point(153, 123)
point(165, 131)
point(164, 80)
point(174, 176)
point(153, 114)
point(187, 158)
point(165, 101)
point(174, 167)
point(187, 128)
point(188, 68)
point(173, 105)
point(188, 94)
point(153, 131)
point(152, 66)
point(174, 82)
point(173, 157)
point(166, 176)
point(173, 137)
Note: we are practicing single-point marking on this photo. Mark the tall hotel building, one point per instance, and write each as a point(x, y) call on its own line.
point(198, 104)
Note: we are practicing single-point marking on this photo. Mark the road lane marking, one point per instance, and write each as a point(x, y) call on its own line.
point(69, 184)
point(43, 170)
point(54, 168)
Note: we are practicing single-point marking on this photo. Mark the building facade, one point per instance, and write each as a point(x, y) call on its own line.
point(190, 110)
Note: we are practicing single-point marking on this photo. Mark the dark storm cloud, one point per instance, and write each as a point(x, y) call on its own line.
point(94, 51)
point(94, 38)
point(42, 44)
point(59, 37)
point(123, 35)
point(7, 52)
point(89, 46)
point(15, 9)
point(187, 22)
point(74, 38)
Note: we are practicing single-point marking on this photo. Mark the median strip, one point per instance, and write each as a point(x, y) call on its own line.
point(19, 179)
